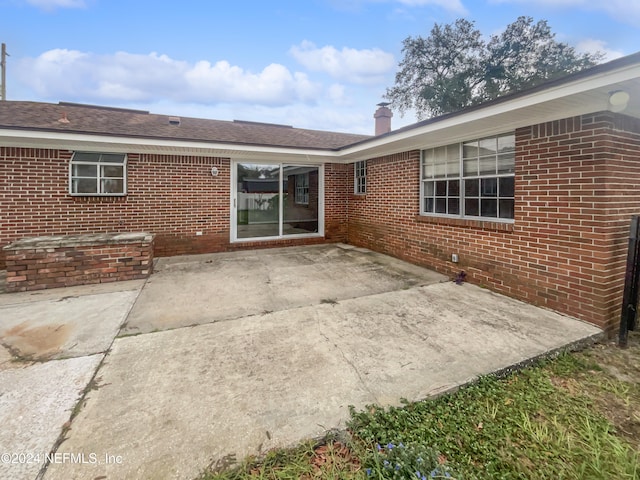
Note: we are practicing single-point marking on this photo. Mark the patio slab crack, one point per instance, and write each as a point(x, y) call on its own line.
point(16, 354)
point(352, 365)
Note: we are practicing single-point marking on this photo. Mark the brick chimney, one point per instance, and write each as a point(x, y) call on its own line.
point(383, 118)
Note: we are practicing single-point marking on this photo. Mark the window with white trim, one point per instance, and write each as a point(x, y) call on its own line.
point(474, 179)
point(360, 177)
point(302, 189)
point(98, 174)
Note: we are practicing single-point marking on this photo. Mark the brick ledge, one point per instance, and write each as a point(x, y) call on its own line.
point(61, 241)
point(466, 223)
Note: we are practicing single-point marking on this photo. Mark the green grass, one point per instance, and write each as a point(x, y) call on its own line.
point(562, 419)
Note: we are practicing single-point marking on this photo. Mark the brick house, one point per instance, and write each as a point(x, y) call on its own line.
point(530, 194)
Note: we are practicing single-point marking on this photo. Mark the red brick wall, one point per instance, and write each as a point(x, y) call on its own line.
point(173, 197)
point(336, 193)
point(621, 200)
point(52, 264)
point(576, 188)
point(384, 218)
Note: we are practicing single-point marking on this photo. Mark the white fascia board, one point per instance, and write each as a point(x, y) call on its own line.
point(116, 144)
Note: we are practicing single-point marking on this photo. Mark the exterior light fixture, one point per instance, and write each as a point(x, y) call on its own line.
point(618, 100)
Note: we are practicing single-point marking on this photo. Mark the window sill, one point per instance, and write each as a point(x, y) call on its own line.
point(98, 199)
point(102, 195)
point(467, 223)
point(358, 196)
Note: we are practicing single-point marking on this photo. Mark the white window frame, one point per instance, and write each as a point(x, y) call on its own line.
point(100, 161)
point(302, 189)
point(443, 180)
point(360, 177)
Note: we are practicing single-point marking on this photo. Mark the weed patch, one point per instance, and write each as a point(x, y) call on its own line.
point(329, 459)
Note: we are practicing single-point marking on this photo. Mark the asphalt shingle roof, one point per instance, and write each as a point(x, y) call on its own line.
point(87, 119)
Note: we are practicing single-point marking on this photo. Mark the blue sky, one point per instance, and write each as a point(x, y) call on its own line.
point(320, 64)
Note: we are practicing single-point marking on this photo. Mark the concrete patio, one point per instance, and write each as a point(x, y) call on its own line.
point(236, 353)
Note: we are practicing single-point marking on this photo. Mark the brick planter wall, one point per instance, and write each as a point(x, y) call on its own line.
point(51, 262)
point(576, 189)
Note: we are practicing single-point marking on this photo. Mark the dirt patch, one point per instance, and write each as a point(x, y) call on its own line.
point(614, 385)
point(621, 363)
point(567, 384)
point(625, 416)
point(36, 343)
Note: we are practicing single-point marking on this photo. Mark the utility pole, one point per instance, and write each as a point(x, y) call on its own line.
point(3, 67)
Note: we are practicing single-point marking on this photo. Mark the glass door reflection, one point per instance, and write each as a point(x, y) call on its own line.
point(300, 209)
point(258, 200)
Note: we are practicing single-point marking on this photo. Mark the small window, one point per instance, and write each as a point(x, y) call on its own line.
point(302, 189)
point(360, 177)
point(98, 174)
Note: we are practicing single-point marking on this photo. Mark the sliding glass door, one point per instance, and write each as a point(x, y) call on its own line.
point(276, 200)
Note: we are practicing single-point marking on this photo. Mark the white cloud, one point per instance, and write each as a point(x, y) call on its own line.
point(337, 94)
point(274, 85)
point(591, 45)
point(71, 74)
point(626, 11)
point(366, 66)
point(53, 4)
point(454, 6)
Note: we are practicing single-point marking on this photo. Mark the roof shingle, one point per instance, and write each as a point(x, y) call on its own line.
point(88, 119)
